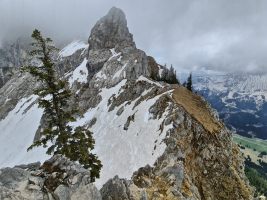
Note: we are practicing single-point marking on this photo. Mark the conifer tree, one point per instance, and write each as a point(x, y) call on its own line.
point(169, 75)
point(57, 135)
point(172, 76)
point(164, 73)
point(189, 83)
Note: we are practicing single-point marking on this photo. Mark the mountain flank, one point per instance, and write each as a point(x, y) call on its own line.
point(156, 140)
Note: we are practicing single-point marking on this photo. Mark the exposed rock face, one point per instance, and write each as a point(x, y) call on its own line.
point(11, 57)
point(165, 140)
point(122, 189)
point(15, 89)
point(111, 47)
point(111, 31)
point(58, 178)
point(5, 74)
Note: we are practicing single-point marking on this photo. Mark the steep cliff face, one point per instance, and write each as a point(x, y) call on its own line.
point(111, 31)
point(165, 140)
point(11, 56)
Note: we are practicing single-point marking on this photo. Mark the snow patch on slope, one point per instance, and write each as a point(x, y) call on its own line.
point(79, 74)
point(17, 133)
point(72, 48)
point(118, 73)
point(101, 75)
point(160, 71)
point(142, 78)
point(124, 151)
point(114, 55)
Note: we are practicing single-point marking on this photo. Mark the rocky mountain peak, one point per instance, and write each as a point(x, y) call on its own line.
point(111, 31)
point(165, 137)
point(112, 54)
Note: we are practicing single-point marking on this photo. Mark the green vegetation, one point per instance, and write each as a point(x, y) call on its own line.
point(251, 143)
point(54, 97)
point(169, 75)
point(256, 172)
point(258, 180)
point(189, 83)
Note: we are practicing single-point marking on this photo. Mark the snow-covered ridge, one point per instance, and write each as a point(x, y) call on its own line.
point(142, 78)
point(72, 48)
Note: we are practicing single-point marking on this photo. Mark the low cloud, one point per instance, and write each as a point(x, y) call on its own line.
point(217, 35)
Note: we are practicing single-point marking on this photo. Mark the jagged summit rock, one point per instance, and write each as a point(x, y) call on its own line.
point(113, 52)
point(111, 31)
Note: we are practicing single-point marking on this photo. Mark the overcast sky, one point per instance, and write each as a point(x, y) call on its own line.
point(190, 34)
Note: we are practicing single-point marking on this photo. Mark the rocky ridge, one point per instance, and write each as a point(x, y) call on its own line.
point(164, 141)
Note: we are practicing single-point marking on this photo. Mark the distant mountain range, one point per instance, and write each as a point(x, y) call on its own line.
point(240, 99)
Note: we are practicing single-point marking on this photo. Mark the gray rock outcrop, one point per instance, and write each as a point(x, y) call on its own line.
point(12, 56)
point(111, 31)
point(57, 179)
point(113, 51)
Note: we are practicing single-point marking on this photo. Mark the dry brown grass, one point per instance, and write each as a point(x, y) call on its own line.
point(197, 108)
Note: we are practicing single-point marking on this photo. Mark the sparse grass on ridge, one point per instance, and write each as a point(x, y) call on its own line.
point(198, 108)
